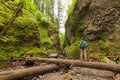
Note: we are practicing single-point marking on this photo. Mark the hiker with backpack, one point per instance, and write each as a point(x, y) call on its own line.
point(83, 46)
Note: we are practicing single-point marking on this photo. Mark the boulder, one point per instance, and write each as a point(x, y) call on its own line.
point(53, 55)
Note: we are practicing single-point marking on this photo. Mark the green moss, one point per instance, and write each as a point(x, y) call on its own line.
point(71, 7)
point(62, 38)
point(47, 2)
point(3, 56)
point(73, 51)
point(30, 5)
point(44, 39)
point(103, 37)
point(28, 34)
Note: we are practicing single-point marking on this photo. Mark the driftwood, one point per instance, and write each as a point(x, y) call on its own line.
point(20, 73)
point(96, 65)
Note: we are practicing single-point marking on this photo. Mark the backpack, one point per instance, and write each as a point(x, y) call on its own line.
point(83, 44)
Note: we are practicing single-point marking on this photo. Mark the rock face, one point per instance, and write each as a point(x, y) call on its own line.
point(53, 34)
point(103, 17)
point(97, 21)
point(75, 20)
point(53, 55)
point(94, 18)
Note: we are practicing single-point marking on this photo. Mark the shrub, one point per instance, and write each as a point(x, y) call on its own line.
point(73, 51)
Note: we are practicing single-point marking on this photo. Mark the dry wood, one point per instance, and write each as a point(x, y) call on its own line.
point(20, 73)
point(96, 65)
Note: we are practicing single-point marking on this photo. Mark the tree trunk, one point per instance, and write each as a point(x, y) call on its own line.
point(96, 65)
point(20, 73)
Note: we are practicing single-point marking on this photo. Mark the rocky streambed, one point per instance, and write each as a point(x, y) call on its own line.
point(76, 73)
point(66, 73)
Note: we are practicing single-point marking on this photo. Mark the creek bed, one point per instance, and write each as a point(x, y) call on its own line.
point(4, 65)
point(76, 73)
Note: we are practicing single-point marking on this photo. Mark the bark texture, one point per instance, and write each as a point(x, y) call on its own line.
point(95, 65)
point(20, 73)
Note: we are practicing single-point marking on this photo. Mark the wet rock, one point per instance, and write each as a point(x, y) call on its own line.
point(53, 55)
point(34, 78)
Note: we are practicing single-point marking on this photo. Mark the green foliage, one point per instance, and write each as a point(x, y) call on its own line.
point(16, 1)
point(47, 2)
point(103, 47)
point(33, 51)
point(5, 52)
point(118, 61)
point(97, 55)
point(43, 19)
point(103, 38)
point(39, 15)
point(28, 33)
point(3, 56)
point(100, 49)
point(19, 51)
point(73, 51)
point(71, 7)
point(30, 5)
point(62, 38)
point(44, 39)
point(9, 39)
point(5, 14)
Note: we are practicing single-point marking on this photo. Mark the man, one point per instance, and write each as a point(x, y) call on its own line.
point(83, 46)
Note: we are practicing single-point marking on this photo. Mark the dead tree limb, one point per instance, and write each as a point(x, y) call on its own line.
point(20, 73)
point(96, 65)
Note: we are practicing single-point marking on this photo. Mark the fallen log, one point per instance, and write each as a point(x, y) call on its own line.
point(96, 65)
point(20, 73)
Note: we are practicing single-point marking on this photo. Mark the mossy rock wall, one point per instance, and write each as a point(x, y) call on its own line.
point(28, 34)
